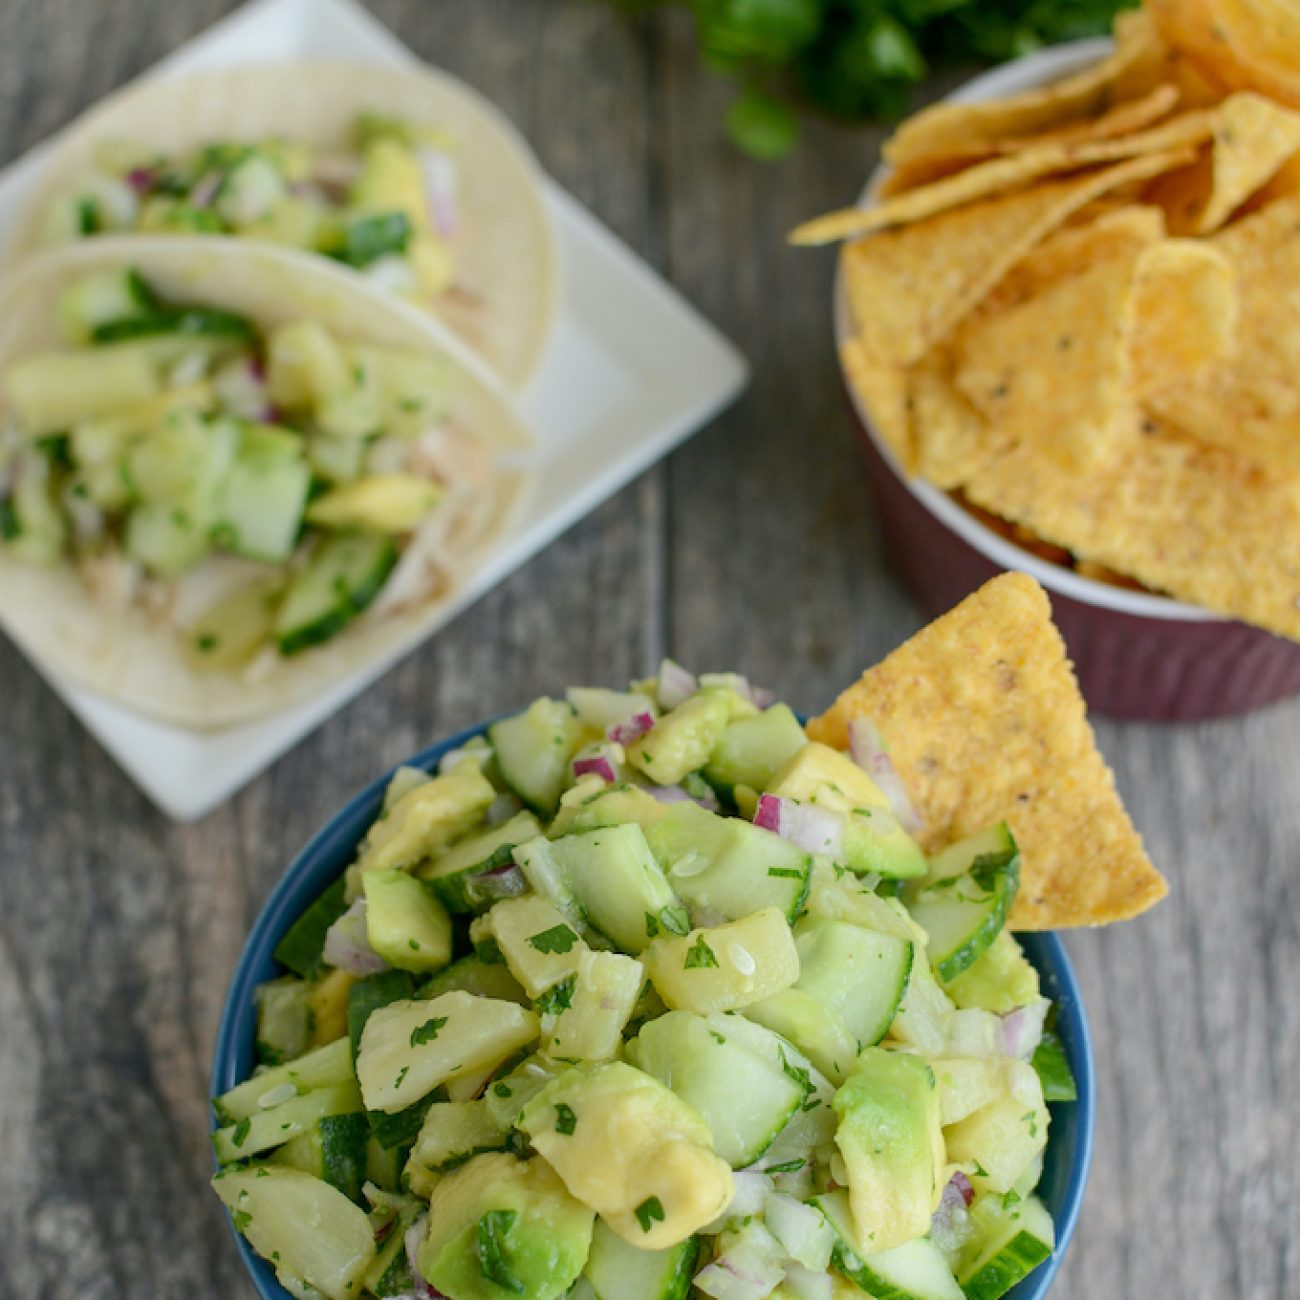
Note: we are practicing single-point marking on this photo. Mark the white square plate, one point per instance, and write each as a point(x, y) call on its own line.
point(631, 370)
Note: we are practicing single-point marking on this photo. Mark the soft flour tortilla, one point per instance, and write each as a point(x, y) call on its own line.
point(508, 253)
point(133, 656)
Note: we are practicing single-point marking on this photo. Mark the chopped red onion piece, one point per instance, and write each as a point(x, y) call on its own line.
point(761, 697)
point(347, 947)
point(950, 1226)
point(633, 728)
point(676, 685)
point(680, 794)
point(501, 882)
point(439, 173)
point(596, 765)
point(140, 179)
point(420, 1290)
point(813, 829)
point(1022, 1029)
point(206, 190)
point(870, 753)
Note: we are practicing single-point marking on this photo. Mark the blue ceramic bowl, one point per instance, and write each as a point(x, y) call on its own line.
point(1069, 1151)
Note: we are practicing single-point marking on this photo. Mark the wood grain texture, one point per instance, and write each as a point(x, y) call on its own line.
point(754, 546)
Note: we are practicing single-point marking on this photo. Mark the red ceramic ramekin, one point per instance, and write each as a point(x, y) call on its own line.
point(1138, 655)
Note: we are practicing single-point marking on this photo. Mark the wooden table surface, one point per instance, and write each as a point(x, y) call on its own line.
point(752, 547)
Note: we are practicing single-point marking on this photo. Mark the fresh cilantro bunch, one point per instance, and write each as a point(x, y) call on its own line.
point(858, 59)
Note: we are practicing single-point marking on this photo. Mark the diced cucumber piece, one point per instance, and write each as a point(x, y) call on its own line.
point(875, 841)
point(334, 1149)
point(1053, 1069)
point(916, 1270)
point(455, 1130)
point(321, 1068)
point(413, 388)
point(340, 581)
point(618, 882)
point(752, 750)
point(230, 632)
point(745, 1100)
point(617, 1270)
point(355, 411)
point(964, 899)
point(284, 1019)
point(305, 365)
point(261, 510)
point(165, 539)
point(95, 299)
point(537, 860)
point(509, 1094)
point(462, 876)
point(409, 1048)
point(473, 975)
point(52, 391)
point(276, 1124)
point(405, 923)
point(606, 986)
point(183, 463)
point(428, 818)
point(300, 949)
point(312, 1232)
point(859, 975)
point(1010, 1242)
point(336, 460)
point(533, 750)
point(378, 503)
point(34, 526)
point(726, 967)
point(729, 866)
point(682, 741)
point(249, 190)
point(801, 1019)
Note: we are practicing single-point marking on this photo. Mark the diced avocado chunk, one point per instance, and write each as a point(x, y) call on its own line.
point(428, 819)
point(501, 1228)
point(724, 967)
point(998, 980)
point(405, 924)
point(632, 1150)
point(752, 750)
point(682, 741)
point(312, 1232)
point(378, 503)
point(892, 1145)
point(455, 1130)
point(824, 776)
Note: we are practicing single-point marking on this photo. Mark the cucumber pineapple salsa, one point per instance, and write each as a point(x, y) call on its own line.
point(255, 487)
point(642, 995)
point(387, 205)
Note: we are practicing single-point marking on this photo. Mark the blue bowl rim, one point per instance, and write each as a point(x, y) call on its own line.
point(318, 864)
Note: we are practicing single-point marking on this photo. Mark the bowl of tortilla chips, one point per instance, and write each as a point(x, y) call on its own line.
point(1066, 317)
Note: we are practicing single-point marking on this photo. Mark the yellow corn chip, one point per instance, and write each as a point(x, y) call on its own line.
point(1118, 232)
point(1183, 313)
point(999, 175)
point(1250, 403)
point(1128, 116)
point(882, 387)
point(985, 723)
point(1194, 521)
point(909, 287)
point(948, 434)
point(1253, 138)
point(1285, 185)
point(1055, 370)
point(971, 129)
point(1182, 194)
point(1264, 38)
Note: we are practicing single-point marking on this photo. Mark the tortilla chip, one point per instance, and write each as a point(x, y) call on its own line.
point(1183, 194)
point(882, 388)
point(1264, 37)
point(985, 723)
point(945, 130)
point(1194, 521)
point(1251, 404)
point(948, 434)
point(999, 175)
point(1183, 313)
point(909, 287)
point(1055, 371)
point(1126, 117)
point(1284, 185)
point(1253, 138)
point(1117, 232)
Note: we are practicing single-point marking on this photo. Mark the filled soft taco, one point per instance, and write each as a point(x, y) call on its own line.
point(405, 175)
point(231, 474)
